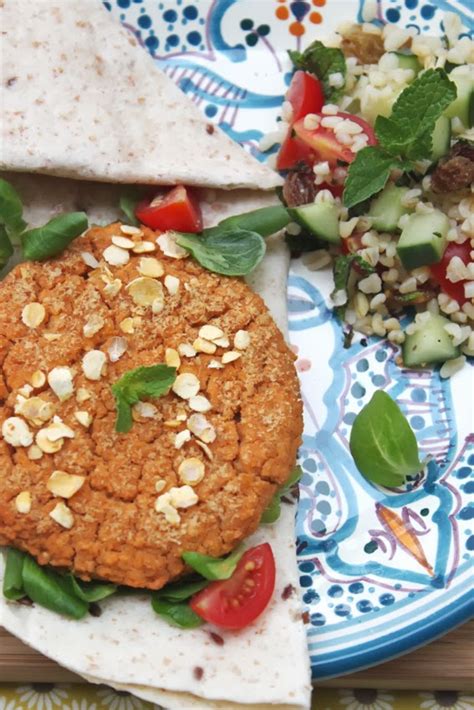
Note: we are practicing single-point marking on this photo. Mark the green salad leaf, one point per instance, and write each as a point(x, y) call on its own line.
point(11, 209)
point(136, 385)
point(6, 247)
point(214, 568)
point(52, 238)
point(128, 202)
point(180, 591)
point(322, 62)
point(177, 614)
point(50, 590)
point(273, 510)
point(343, 265)
point(232, 252)
point(13, 577)
point(90, 591)
point(264, 221)
point(383, 444)
point(368, 174)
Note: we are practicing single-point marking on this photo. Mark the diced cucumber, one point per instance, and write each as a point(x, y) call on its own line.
point(429, 344)
point(407, 60)
point(441, 138)
point(423, 239)
point(387, 208)
point(320, 218)
point(463, 104)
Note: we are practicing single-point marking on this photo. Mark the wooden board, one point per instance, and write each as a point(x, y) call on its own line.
point(446, 664)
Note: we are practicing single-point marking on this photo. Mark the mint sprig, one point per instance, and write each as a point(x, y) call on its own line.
point(322, 62)
point(136, 385)
point(404, 137)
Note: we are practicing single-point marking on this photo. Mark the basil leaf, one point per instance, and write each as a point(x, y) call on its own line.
point(127, 203)
point(11, 209)
point(367, 175)
point(51, 239)
point(265, 221)
point(273, 510)
point(47, 588)
point(6, 247)
point(180, 591)
point(176, 614)
point(135, 385)
point(322, 61)
point(214, 568)
point(13, 578)
point(382, 443)
point(233, 252)
point(90, 591)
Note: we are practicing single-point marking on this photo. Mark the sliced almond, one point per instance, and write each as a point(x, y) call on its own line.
point(202, 428)
point(44, 443)
point(144, 410)
point(172, 284)
point(186, 350)
point(50, 337)
point(92, 326)
point(144, 247)
point(82, 395)
point(182, 496)
point(215, 365)
point(163, 505)
point(38, 379)
point(199, 403)
point(123, 242)
point(33, 315)
point(23, 502)
point(186, 385)
point(62, 515)
point(204, 346)
point(93, 364)
point(241, 339)
point(158, 304)
point(230, 356)
point(25, 391)
point(172, 358)
point(149, 266)
point(63, 484)
point(127, 326)
point(210, 332)
point(35, 409)
point(117, 348)
point(115, 256)
point(34, 453)
point(169, 247)
point(181, 438)
point(89, 259)
point(223, 342)
point(130, 230)
point(145, 291)
point(191, 471)
point(112, 289)
point(60, 381)
point(84, 418)
point(205, 448)
point(59, 430)
point(16, 432)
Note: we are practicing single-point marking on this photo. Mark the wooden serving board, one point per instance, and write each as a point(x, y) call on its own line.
point(446, 664)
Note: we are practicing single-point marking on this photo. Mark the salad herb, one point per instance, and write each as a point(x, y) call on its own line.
point(273, 510)
point(231, 252)
point(136, 385)
point(343, 265)
point(214, 568)
point(322, 62)
point(128, 202)
point(6, 247)
point(52, 238)
point(11, 209)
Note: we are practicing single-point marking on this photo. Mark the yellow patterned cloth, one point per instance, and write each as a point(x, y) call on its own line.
point(49, 696)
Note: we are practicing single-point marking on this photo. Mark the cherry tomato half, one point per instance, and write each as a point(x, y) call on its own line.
point(325, 143)
point(178, 209)
point(236, 602)
point(438, 271)
point(305, 95)
point(292, 152)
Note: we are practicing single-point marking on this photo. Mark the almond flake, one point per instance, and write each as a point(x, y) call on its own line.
point(59, 430)
point(204, 346)
point(44, 443)
point(123, 242)
point(163, 505)
point(35, 409)
point(93, 364)
point(16, 432)
point(23, 502)
point(160, 485)
point(145, 291)
point(202, 428)
point(115, 256)
point(149, 266)
point(51, 336)
point(34, 453)
point(117, 347)
point(158, 305)
point(186, 385)
point(84, 418)
point(172, 358)
point(223, 342)
point(143, 248)
point(186, 350)
point(63, 484)
point(172, 284)
point(33, 315)
point(130, 230)
point(182, 496)
point(38, 379)
point(206, 449)
point(241, 339)
point(89, 259)
point(210, 332)
point(145, 410)
point(230, 356)
point(169, 247)
point(82, 395)
point(181, 438)
point(93, 325)
point(112, 289)
point(60, 381)
point(25, 391)
point(199, 403)
point(127, 326)
point(191, 471)
point(172, 423)
point(62, 515)
point(215, 365)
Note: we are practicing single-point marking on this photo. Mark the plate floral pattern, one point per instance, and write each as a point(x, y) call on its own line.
point(382, 571)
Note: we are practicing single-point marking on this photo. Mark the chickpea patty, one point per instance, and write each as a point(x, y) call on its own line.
point(199, 465)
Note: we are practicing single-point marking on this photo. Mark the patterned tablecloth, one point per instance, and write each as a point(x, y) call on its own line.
point(49, 696)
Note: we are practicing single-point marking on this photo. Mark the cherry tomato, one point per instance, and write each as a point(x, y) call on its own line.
point(305, 95)
point(178, 209)
point(294, 151)
point(438, 271)
point(325, 143)
point(236, 602)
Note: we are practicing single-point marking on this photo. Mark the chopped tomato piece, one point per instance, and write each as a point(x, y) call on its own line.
point(236, 602)
point(439, 271)
point(178, 209)
point(292, 152)
point(305, 95)
point(324, 142)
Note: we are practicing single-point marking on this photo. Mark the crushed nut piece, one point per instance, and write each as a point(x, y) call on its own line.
point(172, 284)
point(16, 432)
point(44, 443)
point(172, 358)
point(34, 453)
point(191, 471)
point(186, 350)
point(25, 391)
point(127, 326)
point(199, 403)
point(145, 410)
point(23, 502)
point(145, 291)
point(181, 438)
point(230, 356)
point(204, 346)
point(60, 381)
point(202, 428)
point(38, 379)
point(59, 430)
point(186, 385)
point(82, 395)
point(151, 267)
point(93, 325)
point(93, 364)
point(118, 346)
point(169, 247)
point(115, 256)
point(182, 496)
point(206, 449)
point(62, 515)
point(215, 365)
point(210, 332)
point(63, 484)
point(36, 410)
point(242, 339)
point(223, 342)
point(143, 248)
point(33, 315)
point(163, 505)
point(111, 289)
point(158, 305)
point(123, 242)
point(84, 418)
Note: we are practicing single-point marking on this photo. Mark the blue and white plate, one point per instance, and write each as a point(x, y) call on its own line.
point(381, 572)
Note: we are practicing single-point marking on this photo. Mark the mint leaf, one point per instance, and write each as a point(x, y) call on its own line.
point(408, 130)
point(135, 385)
point(213, 568)
point(342, 268)
point(273, 510)
point(367, 175)
point(322, 62)
point(232, 252)
point(11, 209)
point(382, 443)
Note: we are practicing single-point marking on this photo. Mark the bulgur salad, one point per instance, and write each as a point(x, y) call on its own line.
point(377, 149)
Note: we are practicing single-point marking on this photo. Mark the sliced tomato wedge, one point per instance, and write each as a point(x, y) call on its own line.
point(236, 602)
point(294, 151)
point(178, 209)
point(325, 143)
point(439, 270)
point(305, 95)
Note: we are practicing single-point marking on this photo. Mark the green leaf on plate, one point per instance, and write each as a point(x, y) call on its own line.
point(13, 577)
point(176, 613)
point(11, 209)
point(136, 385)
point(49, 589)
point(232, 252)
point(214, 568)
point(273, 510)
point(52, 238)
point(6, 247)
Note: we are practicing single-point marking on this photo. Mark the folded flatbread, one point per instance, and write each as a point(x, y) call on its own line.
point(81, 99)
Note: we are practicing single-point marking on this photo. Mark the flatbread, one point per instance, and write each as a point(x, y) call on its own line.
point(81, 99)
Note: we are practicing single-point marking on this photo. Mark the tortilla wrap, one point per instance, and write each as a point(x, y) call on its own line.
point(129, 646)
point(81, 99)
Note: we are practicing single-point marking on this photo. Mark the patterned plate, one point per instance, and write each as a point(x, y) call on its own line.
point(381, 571)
